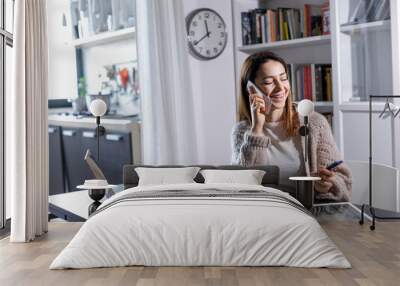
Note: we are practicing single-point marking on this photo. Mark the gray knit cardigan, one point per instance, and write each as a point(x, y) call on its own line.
point(250, 150)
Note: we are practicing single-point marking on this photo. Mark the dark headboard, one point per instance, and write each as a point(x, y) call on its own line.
point(270, 179)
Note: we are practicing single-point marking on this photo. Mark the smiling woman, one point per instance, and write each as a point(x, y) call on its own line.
point(268, 131)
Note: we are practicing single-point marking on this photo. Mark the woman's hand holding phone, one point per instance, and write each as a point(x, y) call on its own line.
point(327, 180)
point(258, 109)
point(327, 177)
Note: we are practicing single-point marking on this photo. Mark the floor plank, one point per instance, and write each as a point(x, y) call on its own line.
point(374, 255)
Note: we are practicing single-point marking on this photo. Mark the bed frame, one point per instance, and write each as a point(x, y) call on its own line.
point(270, 179)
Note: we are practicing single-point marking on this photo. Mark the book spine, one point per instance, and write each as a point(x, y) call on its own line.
point(281, 20)
point(307, 22)
point(266, 27)
point(326, 30)
point(313, 84)
point(269, 25)
point(299, 87)
point(276, 26)
point(318, 83)
point(286, 31)
point(305, 90)
point(305, 87)
point(329, 83)
point(293, 80)
point(258, 28)
point(263, 30)
point(302, 31)
point(246, 28)
point(296, 13)
point(290, 18)
point(253, 27)
point(308, 94)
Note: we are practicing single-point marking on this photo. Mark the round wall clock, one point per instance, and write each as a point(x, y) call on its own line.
point(206, 34)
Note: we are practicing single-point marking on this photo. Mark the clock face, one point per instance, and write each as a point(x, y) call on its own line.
point(206, 32)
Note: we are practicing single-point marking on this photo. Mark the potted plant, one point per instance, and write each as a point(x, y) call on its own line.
point(79, 103)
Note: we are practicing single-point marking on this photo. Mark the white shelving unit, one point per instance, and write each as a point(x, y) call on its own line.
point(366, 27)
point(365, 60)
point(105, 38)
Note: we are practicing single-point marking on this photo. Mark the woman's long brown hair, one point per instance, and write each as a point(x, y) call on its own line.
point(248, 72)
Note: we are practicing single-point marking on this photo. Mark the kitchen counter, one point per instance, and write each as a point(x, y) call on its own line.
point(64, 118)
point(124, 124)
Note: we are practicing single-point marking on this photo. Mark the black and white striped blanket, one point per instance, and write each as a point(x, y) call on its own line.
point(206, 194)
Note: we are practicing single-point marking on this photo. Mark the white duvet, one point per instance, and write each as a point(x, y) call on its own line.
point(200, 231)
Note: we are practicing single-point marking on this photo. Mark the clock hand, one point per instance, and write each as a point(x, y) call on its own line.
point(202, 38)
point(208, 33)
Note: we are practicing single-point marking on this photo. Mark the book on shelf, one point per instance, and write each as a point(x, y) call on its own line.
point(246, 28)
point(368, 11)
point(311, 81)
point(269, 25)
point(313, 20)
point(325, 19)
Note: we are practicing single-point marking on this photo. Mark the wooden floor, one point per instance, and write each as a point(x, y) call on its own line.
point(375, 257)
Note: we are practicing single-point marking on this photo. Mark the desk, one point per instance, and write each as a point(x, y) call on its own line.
point(73, 206)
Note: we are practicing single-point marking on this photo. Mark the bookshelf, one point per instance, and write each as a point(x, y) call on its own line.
point(295, 43)
point(364, 51)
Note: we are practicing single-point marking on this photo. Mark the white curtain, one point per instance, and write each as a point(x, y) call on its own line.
point(27, 123)
point(168, 113)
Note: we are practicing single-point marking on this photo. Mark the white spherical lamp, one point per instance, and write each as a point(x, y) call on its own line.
point(98, 107)
point(305, 107)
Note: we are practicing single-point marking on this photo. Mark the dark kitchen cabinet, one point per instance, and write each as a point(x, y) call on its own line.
point(115, 152)
point(76, 170)
point(56, 164)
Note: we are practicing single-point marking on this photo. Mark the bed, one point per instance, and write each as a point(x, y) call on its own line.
point(197, 224)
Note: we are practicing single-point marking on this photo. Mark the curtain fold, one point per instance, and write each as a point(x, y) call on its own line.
point(169, 133)
point(27, 123)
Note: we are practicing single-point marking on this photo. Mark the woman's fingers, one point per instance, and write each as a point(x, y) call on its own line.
point(258, 100)
point(323, 186)
point(255, 95)
point(326, 172)
point(257, 103)
point(327, 180)
point(324, 183)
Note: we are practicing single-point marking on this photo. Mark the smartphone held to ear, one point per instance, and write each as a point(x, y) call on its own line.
point(253, 89)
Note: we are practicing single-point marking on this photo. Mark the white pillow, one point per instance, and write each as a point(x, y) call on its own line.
point(248, 177)
point(163, 176)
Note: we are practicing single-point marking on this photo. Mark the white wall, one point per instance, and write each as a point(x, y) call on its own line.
point(214, 91)
point(62, 64)
point(95, 58)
